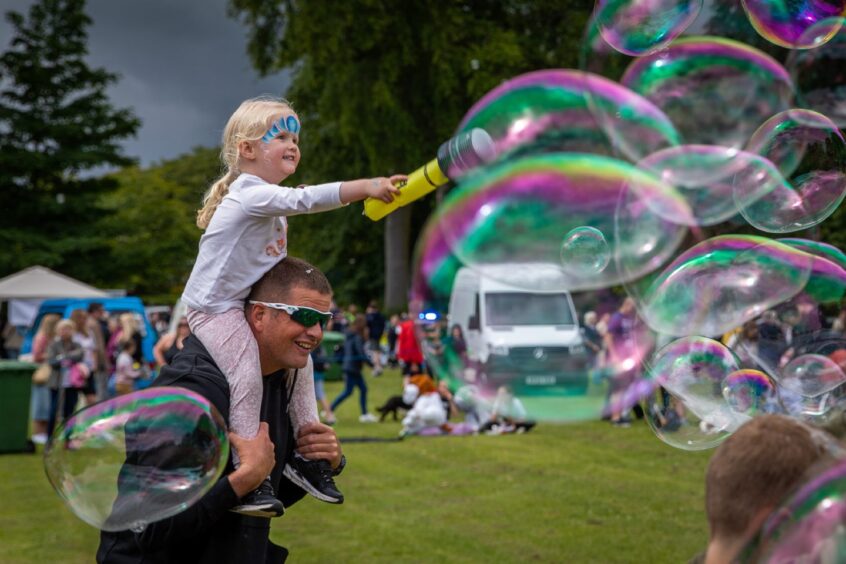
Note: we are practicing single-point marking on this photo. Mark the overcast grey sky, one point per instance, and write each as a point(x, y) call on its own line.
point(183, 68)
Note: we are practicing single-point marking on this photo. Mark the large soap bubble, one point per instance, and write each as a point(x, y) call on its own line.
point(808, 527)
point(547, 111)
point(138, 458)
point(521, 212)
point(709, 177)
point(636, 27)
point(810, 153)
point(718, 284)
point(691, 77)
point(506, 335)
point(819, 73)
point(690, 372)
point(785, 23)
point(812, 385)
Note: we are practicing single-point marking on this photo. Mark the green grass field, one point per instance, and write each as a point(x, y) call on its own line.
point(584, 492)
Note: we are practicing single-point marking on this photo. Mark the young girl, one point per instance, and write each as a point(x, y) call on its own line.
point(246, 231)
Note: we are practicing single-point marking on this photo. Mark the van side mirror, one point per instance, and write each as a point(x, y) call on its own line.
point(473, 322)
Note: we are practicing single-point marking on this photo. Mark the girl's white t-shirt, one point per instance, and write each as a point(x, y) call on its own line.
point(247, 236)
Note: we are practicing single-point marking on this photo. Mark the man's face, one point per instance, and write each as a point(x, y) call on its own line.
point(284, 343)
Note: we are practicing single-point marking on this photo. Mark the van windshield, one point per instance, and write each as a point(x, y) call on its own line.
point(516, 308)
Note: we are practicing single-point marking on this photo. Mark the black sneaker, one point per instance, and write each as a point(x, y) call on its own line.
point(261, 502)
point(315, 477)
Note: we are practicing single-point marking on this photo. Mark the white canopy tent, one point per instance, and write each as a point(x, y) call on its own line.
point(41, 283)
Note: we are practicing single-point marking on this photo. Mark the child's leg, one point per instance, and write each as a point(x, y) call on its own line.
point(229, 340)
point(303, 408)
point(349, 386)
point(362, 394)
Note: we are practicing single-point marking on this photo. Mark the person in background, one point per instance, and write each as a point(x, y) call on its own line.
point(744, 344)
point(63, 354)
point(83, 336)
point(127, 369)
point(40, 402)
point(375, 329)
point(508, 415)
point(408, 348)
point(751, 474)
point(100, 371)
point(622, 351)
point(354, 358)
point(12, 341)
point(321, 365)
point(393, 327)
point(128, 329)
point(171, 343)
point(592, 339)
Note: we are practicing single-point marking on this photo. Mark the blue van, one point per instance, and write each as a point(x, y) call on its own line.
point(113, 306)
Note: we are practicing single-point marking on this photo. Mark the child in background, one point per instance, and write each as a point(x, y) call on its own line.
point(321, 364)
point(127, 369)
point(246, 232)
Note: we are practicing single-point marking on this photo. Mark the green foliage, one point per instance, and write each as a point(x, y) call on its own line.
point(57, 129)
point(150, 228)
point(380, 84)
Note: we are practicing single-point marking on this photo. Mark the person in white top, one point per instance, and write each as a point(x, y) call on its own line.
point(246, 232)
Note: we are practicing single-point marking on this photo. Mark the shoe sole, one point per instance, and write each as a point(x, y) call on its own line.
point(299, 480)
point(257, 511)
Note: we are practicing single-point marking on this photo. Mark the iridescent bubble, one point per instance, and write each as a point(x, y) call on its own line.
point(680, 427)
point(808, 527)
point(499, 334)
point(810, 152)
point(751, 392)
point(718, 284)
point(784, 22)
point(547, 111)
point(709, 176)
point(515, 212)
point(585, 251)
point(691, 370)
point(691, 77)
point(695, 75)
point(138, 458)
point(637, 27)
point(819, 73)
point(812, 384)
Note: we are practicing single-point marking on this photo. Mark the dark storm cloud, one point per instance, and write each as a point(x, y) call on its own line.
point(183, 68)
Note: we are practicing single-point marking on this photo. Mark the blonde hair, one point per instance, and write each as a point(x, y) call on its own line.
point(78, 317)
point(128, 324)
point(250, 122)
point(47, 326)
point(63, 324)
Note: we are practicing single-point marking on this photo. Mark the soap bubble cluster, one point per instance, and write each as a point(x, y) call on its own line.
point(675, 184)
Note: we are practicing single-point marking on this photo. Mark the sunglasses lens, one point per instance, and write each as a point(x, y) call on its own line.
point(310, 317)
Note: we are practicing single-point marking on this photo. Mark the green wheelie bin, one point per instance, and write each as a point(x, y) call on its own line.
point(15, 387)
point(333, 349)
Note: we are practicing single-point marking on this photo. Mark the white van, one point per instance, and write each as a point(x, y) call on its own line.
point(526, 338)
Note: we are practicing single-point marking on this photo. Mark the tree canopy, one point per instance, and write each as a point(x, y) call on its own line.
point(57, 130)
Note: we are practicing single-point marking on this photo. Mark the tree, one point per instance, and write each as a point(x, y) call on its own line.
point(151, 231)
point(379, 84)
point(57, 130)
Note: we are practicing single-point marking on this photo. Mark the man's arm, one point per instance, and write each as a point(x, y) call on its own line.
point(257, 460)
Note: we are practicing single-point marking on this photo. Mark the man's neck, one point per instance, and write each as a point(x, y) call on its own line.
point(724, 551)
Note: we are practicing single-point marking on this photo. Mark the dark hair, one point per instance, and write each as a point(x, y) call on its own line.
point(289, 273)
point(95, 306)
